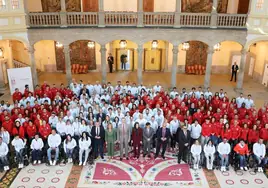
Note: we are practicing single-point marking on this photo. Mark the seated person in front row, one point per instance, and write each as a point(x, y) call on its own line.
point(54, 141)
point(3, 154)
point(19, 146)
point(224, 150)
point(37, 146)
point(242, 150)
point(259, 152)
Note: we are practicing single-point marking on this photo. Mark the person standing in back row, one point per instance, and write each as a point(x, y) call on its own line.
point(234, 71)
point(110, 60)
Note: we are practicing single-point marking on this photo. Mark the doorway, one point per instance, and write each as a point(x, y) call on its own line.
point(265, 76)
point(124, 59)
point(152, 59)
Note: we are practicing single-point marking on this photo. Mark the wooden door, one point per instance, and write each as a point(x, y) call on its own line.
point(153, 60)
point(148, 5)
point(243, 7)
point(90, 5)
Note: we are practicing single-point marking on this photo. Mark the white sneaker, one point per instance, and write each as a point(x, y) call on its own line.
point(246, 168)
point(80, 163)
point(22, 165)
point(224, 169)
point(261, 169)
point(221, 168)
point(39, 162)
point(50, 162)
point(71, 160)
point(195, 166)
point(34, 162)
point(54, 162)
point(84, 164)
point(7, 168)
point(241, 168)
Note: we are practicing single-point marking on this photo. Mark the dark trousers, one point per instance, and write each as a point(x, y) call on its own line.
point(111, 67)
point(173, 140)
point(233, 75)
point(164, 146)
point(183, 150)
point(36, 155)
point(19, 156)
point(98, 148)
point(4, 160)
point(137, 149)
point(123, 66)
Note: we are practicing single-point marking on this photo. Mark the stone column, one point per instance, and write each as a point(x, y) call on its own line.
point(214, 15)
point(240, 76)
point(27, 19)
point(103, 64)
point(177, 23)
point(63, 13)
point(175, 51)
point(2, 80)
point(208, 67)
point(33, 65)
point(67, 58)
point(101, 14)
point(140, 58)
point(140, 13)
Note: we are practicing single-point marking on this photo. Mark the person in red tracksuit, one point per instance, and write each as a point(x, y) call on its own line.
point(31, 130)
point(38, 91)
point(17, 95)
point(206, 132)
point(244, 133)
point(18, 130)
point(8, 125)
point(235, 134)
point(253, 136)
point(264, 133)
point(45, 130)
point(226, 132)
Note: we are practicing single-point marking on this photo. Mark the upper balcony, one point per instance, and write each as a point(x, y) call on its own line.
point(213, 15)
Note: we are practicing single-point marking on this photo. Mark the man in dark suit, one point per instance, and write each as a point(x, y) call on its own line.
point(234, 71)
point(101, 115)
point(162, 136)
point(148, 133)
point(110, 60)
point(98, 135)
point(184, 143)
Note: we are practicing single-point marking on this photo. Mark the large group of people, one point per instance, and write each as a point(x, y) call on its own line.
point(52, 123)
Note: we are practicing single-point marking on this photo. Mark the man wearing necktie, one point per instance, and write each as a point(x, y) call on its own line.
point(98, 135)
point(123, 135)
point(148, 133)
point(184, 143)
point(163, 135)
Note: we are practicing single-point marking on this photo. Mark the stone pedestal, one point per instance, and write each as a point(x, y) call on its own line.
point(33, 65)
point(240, 76)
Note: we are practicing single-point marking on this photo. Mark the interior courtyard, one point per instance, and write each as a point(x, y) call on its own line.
point(176, 43)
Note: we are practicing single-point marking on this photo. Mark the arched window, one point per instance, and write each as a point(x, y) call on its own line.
point(3, 4)
point(15, 4)
point(259, 4)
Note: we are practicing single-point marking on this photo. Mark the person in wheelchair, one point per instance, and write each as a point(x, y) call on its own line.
point(209, 150)
point(19, 146)
point(196, 150)
point(3, 154)
point(242, 151)
point(37, 146)
point(68, 146)
point(84, 147)
point(54, 141)
point(259, 152)
point(224, 150)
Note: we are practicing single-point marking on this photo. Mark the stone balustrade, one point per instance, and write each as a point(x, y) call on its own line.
point(151, 19)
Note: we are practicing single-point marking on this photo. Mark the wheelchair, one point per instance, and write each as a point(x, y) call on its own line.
point(25, 155)
point(190, 160)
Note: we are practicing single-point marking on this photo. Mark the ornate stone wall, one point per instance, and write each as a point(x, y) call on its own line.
point(205, 6)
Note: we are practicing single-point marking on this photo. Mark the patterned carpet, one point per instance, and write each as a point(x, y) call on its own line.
point(138, 173)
